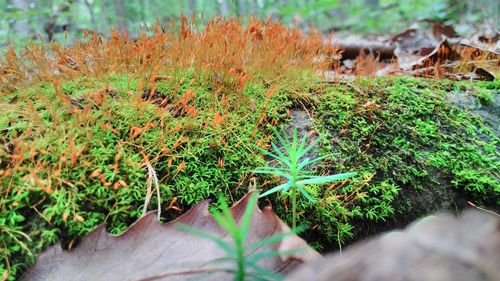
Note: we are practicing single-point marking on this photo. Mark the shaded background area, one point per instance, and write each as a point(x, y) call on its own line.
point(25, 20)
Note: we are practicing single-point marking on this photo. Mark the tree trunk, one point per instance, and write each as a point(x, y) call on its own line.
point(121, 14)
point(191, 7)
point(372, 4)
point(254, 8)
point(236, 8)
point(20, 26)
point(107, 15)
point(142, 4)
point(52, 27)
point(225, 8)
point(92, 14)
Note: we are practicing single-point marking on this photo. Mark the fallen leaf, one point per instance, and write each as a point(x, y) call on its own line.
point(413, 46)
point(151, 250)
point(442, 31)
point(352, 45)
point(438, 247)
point(413, 42)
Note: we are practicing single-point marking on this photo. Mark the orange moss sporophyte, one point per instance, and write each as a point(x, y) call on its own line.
point(84, 120)
point(266, 48)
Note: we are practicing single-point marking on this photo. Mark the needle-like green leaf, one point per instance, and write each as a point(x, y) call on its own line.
point(277, 188)
point(281, 140)
point(275, 238)
point(326, 179)
point(228, 248)
point(303, 165)
point(272, 172)
point(247, 215)
point(282, 157)
point(309, 147)
point(293, 167)
point(302, 146)
point(267, 153)
point(305, 193)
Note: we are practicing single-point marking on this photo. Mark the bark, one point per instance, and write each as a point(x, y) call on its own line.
point(92, 14)
point(225, 8)
point(191, 7)
point(107, 15)
point(236, 8)
point(121, 14)
point(20, 26)
point(51, 28)
point(143, 10)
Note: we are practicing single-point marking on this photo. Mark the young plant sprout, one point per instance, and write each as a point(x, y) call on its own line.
point(243, 254)
point(293, 167)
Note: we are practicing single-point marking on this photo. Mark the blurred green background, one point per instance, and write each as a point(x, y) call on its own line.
point(24, 20)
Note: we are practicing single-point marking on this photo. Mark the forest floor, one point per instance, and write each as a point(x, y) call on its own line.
point(81, 125)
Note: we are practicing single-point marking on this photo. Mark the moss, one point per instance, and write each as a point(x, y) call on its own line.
point(75, 158)
point(419, 153)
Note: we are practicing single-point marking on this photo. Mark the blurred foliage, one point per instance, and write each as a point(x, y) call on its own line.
point(24, 20)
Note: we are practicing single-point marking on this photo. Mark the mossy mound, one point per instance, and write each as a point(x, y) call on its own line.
point(416, 151)
point(85, 128)
point(77, 157)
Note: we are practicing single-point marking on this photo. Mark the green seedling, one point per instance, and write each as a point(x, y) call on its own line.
point(293, 167)
point(246, 257)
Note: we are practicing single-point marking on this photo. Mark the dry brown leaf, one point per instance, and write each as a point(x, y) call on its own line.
point(440, 247)
point(451, 60)
point(151, 250)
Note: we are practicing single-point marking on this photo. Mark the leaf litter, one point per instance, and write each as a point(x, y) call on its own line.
point(439, 53)
point(152, 250)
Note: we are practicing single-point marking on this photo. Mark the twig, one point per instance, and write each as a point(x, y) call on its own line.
point(152, 176)
point(348, 84)
point(183, 272)
point(482, 209)
point(338, 240)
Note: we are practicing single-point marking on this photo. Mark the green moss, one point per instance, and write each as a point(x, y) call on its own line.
point(419, 153)
point(64, 159)
point(63, 173)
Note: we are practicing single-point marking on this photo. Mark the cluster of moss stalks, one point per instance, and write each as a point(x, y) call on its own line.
point(69, 164)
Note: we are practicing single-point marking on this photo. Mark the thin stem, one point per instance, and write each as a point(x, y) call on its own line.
point(240, 256)
point(162, 275)
point(294, 208)
point(295, 176)
point(482, 209)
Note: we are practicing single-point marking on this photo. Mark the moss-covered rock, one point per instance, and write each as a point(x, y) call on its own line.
point(74, 157)
point(416, 151)
point(76, 145)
